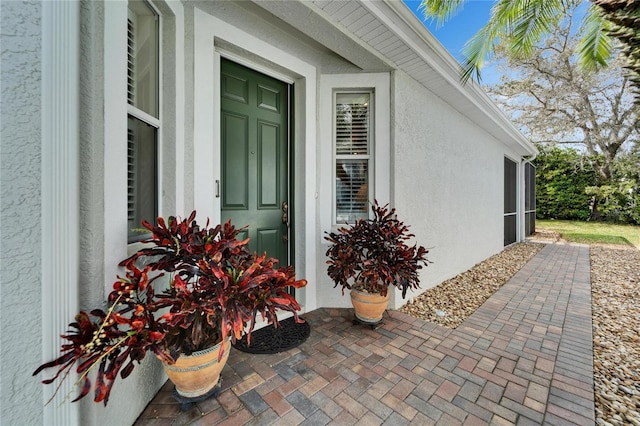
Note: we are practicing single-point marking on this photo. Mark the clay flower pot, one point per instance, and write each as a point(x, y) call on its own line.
point(197, 374)
point(369, 307)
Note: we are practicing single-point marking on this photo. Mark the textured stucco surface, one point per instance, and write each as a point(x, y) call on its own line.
point(128, 397)
point(20, 199)
point(92, 288)
point(447, 185)
point(447, 180)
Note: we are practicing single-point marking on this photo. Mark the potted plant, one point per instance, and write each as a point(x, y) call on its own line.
point(215, 291)
point(370, 256)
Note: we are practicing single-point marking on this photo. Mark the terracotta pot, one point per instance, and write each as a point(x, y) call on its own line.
point(369, 307)
point(198, 373)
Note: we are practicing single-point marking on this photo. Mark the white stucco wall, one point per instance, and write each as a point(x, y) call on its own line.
point(446, 177)
point(22, 398)
point(20, 221)
point(98, 264)
point(448, 182)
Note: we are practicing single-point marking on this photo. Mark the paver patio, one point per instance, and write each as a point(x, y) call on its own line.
point(524, 357)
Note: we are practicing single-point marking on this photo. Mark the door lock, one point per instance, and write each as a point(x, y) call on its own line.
point(285, 214)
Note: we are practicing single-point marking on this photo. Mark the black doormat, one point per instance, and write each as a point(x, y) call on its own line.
point(271, 340)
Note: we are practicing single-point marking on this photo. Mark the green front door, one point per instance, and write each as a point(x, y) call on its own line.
point(254, 139)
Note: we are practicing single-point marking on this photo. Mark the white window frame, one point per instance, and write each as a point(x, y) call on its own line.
point(147, 118)
point(116, 112)
point(379, 84)
point(369, 156)
point(518, 199)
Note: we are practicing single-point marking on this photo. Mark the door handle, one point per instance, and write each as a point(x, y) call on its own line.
point(285, 214)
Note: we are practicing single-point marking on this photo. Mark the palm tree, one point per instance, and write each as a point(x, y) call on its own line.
point(522, 23)
point(624, 16)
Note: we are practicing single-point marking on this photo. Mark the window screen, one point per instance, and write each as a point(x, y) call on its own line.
point(510, 201)
point(530, 198)
point(353, 112)
point(143, 119)
point(141, 176)
point(142, 58)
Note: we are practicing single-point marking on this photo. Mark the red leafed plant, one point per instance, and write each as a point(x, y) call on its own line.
point(216, 290)
point(373, 254)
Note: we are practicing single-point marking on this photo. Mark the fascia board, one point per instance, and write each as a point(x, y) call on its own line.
point(415, 35)
point(312, 9)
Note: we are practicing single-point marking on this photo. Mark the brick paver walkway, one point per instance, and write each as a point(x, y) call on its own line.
point(524, 357)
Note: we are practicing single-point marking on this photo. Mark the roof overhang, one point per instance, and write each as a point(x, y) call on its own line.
point(395, 39)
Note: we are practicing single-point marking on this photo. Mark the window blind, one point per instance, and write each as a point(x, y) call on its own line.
point(130, 62)
point(131, 175)
point(352, 124)
point(352, 148)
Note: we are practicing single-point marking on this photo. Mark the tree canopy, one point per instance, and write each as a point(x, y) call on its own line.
point(555, 101)
point(552, 99)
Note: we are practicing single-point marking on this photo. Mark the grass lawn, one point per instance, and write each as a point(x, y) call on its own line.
point(593, 232)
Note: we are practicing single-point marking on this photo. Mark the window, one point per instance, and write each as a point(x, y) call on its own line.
point(143, 116)
point(353, 147)
point(355, 150)
point(510, 202)
point(530, 199)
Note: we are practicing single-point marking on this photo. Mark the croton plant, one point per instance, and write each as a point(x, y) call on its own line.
point(374, 253)
point(216, 290)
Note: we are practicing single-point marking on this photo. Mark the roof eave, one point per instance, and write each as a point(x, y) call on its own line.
point(433, 53)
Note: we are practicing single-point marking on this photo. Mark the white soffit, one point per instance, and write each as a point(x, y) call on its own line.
point(391, 30)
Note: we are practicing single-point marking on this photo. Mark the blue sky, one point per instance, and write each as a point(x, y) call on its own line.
point(459, 29)
point(454, 33)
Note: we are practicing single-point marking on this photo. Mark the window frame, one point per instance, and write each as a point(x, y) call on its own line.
point(369, 157)
point(510, 205)
point(529, 198)
point(148, 119)
point(380, 165)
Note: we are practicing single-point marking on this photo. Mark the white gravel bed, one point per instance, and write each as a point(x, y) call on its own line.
point(615, 293)
point(615, 286)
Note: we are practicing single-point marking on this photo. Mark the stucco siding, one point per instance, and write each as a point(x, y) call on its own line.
point(20, 222)
point(442, 171)
point(263, 25)
point(447, 181)
point(98, 268)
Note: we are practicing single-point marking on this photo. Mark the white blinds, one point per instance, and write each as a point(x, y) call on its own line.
point(131, 49)
point(142, 58)
point(352, 148)
point(143, 117)
point(131, 175)
point(352, 123)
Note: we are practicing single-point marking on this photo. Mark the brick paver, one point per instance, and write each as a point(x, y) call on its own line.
point(524, 357)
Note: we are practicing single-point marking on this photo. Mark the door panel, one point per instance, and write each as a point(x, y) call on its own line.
point(235, 183)
point(268, 136)
point(254, 139)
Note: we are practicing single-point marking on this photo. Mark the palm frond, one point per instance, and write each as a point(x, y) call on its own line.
point(482, 44)
point(595, 46)
point(440, 10)
point(532, 20)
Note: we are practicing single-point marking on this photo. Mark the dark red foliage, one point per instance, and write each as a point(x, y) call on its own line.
point(373, 254)
point(216, 290)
